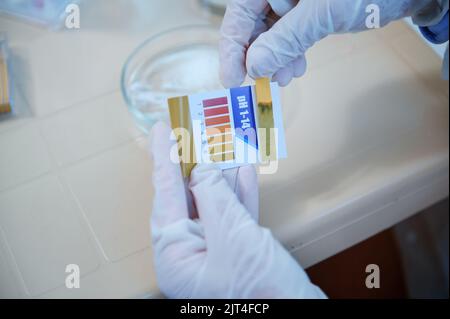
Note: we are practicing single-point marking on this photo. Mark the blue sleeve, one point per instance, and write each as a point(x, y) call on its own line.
point(437, 33)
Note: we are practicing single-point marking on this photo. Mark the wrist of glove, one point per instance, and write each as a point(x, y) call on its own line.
point(224, 253)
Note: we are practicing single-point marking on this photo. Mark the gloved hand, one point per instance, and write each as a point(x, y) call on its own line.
point(224, 253)
point(278, 51)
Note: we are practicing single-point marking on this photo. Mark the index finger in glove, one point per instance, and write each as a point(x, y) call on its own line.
point(237, 28)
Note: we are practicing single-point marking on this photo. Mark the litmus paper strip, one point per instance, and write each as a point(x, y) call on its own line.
point(266, 123)
point(180, 118)
point(5, 105)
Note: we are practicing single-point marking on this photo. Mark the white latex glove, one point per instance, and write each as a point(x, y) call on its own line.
point(224, 253)
point(279, 51)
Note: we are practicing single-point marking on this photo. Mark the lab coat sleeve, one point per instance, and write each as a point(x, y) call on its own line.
point(431, 15)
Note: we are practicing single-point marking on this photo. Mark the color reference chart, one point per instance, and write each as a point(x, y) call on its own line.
point(218, 129)
point(223, 126)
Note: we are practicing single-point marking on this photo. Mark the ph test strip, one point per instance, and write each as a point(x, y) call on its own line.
point(233, 127)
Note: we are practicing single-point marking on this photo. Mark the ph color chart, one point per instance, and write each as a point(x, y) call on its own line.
point(234, 127)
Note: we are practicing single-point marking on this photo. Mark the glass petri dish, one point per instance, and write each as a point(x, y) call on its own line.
point(180, 61)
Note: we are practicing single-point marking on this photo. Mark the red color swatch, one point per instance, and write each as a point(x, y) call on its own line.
point(216, 111)
point(215, 102)
point(217, 120)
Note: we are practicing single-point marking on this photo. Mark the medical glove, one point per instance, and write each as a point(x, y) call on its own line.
point(251, 45)
point(224, 253)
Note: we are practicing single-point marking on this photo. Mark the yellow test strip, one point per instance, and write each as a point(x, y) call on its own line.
point(264, 114)
point(5, 106)
point(180, 118)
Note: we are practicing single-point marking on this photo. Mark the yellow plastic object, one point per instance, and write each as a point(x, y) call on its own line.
point(180, 120)
point(265, 120)
point(5, 106)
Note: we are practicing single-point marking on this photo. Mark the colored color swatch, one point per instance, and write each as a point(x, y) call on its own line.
point(218, 129)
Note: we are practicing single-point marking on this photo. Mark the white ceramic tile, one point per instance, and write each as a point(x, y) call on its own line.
point(337, 46)
point(134, 277)
point(381, 100)
point(68, 67)
point(24, 155)
point(45, 232)
point(422, 60)
point(328, 50)
point(393, 31)
point(10, 286)
point(19, 32)
point(89, 128)
point(114, 189)
point(9, 122)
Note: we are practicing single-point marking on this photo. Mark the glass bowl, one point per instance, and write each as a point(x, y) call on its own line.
point(217, 7)
point(179, 61)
